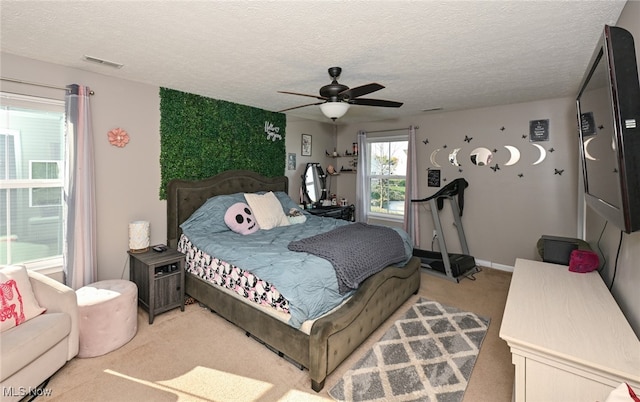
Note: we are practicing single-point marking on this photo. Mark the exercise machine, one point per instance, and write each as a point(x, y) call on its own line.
point(444, 264)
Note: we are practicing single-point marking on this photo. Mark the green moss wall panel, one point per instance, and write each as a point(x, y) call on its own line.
point(201, 137)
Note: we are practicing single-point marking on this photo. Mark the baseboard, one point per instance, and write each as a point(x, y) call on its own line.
point(502, 267)
point(493, 265)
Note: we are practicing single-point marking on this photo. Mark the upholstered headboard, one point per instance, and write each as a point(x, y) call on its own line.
point(184, 197)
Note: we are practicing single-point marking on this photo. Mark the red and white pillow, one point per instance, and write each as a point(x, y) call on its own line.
point(623, 393)
point(19, 303)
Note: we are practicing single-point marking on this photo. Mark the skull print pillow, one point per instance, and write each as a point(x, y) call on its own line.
point(240, 219)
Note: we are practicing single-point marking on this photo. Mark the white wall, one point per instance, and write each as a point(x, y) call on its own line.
point(322, 139)
point(504, 214)
point(127, 179)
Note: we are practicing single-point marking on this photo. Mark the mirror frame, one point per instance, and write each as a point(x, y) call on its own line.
point(320, 177)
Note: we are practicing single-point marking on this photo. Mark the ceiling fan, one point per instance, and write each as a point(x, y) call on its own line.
point(336, 98)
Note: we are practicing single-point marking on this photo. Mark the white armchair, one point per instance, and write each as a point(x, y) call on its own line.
point(34, 350)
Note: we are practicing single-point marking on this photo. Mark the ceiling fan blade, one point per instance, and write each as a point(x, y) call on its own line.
point(375, 102)
point(297, 107)
point(299, 94)
point(352, 93)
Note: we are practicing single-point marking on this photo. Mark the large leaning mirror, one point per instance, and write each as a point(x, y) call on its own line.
point(314, 183)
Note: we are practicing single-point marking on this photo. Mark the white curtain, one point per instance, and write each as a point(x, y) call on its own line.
point(80, 266)
point(411, 225)
point(362, 184)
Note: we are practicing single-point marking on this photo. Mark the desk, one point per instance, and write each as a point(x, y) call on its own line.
point(336, 212)
point(569, 340)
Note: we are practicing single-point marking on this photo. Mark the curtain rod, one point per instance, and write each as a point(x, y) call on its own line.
point(38, 84)
point(392, 129)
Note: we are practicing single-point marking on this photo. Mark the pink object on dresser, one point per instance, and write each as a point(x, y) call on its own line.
point(108, 316)
point(583, 261)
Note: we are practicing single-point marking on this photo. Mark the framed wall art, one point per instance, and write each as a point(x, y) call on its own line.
point(538, 130)
point(291, 161)
point(433, 178)
point(306, 145)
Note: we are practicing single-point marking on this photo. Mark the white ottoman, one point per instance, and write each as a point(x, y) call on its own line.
point(108, 316)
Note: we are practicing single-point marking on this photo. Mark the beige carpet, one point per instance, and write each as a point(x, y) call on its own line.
point(197, 356)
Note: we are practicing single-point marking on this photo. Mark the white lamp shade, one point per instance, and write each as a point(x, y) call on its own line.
point(139, 236)
point(334, 110)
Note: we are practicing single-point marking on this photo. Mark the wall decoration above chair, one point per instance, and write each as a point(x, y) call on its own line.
point(118, 137)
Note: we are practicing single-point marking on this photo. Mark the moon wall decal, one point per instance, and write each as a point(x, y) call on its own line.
point(515, 155)
point(481, 156)
point(543, 154)
point(432, 158)
point(453, 157)
point(586, 149)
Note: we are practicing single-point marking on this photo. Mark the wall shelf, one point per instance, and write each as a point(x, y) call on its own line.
point(341, 156)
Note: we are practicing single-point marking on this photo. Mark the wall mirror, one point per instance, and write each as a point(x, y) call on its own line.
point(314, 183)
point(481, 156)
point(453, 157)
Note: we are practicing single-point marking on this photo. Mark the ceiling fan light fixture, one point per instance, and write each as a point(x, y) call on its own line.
point(334, 110)
point(336, 98)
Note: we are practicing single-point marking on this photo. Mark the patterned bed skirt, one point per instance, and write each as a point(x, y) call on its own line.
point(229, 276)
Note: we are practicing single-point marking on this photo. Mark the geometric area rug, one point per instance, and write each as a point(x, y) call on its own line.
point(427, 355)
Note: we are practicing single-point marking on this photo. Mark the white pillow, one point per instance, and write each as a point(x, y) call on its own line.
point(267, 210)
point(21, 303)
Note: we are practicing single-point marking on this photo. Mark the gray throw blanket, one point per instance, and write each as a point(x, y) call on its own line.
point(356, 251)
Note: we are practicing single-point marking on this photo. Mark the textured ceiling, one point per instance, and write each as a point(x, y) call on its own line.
point(428, 54)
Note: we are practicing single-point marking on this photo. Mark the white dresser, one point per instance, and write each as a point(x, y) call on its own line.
point(569, 340)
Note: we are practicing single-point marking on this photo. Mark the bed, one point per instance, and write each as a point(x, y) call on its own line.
point(332, 337)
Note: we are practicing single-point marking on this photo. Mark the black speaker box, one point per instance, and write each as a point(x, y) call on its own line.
point(557, 250)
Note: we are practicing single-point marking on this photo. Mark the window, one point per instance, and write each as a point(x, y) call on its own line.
point(46, 196)
point(387, 176)
point(31, 180)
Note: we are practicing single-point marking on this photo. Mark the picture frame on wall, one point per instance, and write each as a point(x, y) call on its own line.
point(291, 161)
point(433, 177)
point(306, 145)
point(539, 130)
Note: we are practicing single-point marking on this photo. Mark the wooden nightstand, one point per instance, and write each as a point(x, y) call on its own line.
point(160, 280)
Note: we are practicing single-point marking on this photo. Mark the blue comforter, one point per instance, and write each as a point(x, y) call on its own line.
point(308, 282)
